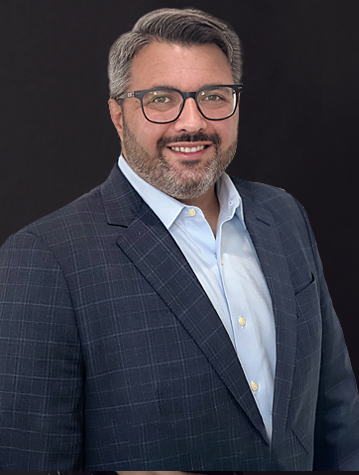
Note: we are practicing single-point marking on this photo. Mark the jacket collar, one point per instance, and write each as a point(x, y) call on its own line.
point(121, 202)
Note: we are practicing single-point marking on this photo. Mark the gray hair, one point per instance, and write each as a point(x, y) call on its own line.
point(186, 26)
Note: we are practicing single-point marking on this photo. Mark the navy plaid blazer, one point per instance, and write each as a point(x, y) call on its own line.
point(112, 357)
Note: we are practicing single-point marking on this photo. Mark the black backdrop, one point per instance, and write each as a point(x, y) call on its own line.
point(298, 112)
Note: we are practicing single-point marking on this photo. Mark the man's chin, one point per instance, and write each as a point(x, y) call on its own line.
point(191, 163)
point(189, 189)
point(186, 182)
point(179, 163)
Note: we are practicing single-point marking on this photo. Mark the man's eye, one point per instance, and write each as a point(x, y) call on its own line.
point(159, 100)
point(212, 98)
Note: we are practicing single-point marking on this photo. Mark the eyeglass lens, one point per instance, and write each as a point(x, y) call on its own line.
point(164, 106)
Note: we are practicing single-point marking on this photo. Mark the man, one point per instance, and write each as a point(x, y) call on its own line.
point(173, 318)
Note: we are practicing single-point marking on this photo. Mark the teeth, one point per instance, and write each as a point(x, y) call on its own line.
point(188, 149)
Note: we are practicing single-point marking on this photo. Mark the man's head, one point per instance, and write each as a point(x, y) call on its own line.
point(186, 50)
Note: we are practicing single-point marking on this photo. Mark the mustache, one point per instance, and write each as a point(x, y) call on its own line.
point(199, 137)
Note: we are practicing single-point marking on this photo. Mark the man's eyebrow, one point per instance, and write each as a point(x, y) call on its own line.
point(163, 86)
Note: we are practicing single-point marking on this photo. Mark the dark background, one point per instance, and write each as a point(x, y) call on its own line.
point(298, 112)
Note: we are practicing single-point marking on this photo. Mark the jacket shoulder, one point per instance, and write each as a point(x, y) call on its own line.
point(74, 219)
point(267, 196)
point(259, 189)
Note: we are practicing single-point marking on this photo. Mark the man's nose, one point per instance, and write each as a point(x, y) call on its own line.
point(190, 120)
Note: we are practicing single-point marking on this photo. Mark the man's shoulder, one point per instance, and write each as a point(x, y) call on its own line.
point(262, 193)
point(267, 200)
point(75, 219)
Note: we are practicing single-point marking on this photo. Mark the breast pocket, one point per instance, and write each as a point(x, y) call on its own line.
point(309, 317)
point(309, 341)
point(307, 363)
point(307, 299)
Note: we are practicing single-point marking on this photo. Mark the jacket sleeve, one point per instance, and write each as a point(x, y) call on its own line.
point(336, 443)
point(41, 368)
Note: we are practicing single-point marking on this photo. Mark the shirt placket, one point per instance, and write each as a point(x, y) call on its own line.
point(244, 336)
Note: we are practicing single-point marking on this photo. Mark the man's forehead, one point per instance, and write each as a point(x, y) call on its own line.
point(160, 64)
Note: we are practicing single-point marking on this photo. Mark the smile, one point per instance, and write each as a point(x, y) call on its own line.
point(188, 149)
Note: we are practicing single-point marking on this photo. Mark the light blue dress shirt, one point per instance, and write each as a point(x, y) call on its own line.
point(229, 271)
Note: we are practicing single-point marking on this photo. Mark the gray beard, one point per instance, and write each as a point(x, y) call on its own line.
point(194, 181)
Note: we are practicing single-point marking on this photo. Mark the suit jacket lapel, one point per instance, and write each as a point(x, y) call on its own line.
point(264, 232)
point(153, 251)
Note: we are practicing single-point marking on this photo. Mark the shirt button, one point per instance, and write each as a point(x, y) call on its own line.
point(242, 321)
point(254, 386)
point(221, 261)
point(192, 212)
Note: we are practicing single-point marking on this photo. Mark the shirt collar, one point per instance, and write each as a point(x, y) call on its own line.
point(229, 199)
point(168, 208)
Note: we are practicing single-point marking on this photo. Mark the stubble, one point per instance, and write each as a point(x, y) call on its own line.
point(190, 178)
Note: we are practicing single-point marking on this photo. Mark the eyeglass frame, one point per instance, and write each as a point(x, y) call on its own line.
point(238, 88)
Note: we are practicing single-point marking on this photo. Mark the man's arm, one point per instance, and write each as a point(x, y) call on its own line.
point(336, 445)
point(41, 370)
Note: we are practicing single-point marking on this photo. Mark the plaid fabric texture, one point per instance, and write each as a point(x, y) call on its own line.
point(113, 358)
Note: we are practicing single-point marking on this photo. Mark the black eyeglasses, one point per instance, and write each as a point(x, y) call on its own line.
point(164, 104)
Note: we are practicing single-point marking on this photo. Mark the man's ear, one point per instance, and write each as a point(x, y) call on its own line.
point(116, 116)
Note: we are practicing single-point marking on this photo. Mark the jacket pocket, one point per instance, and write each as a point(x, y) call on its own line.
point(307, 298)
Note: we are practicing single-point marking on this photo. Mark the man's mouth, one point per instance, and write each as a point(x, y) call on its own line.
point(189, 149)
point(186, 150)
point(189, 146)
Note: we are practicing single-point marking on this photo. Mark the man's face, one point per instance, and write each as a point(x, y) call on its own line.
point(148, 147)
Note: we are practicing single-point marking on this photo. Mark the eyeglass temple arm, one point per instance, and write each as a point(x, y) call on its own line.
point(124, 96)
